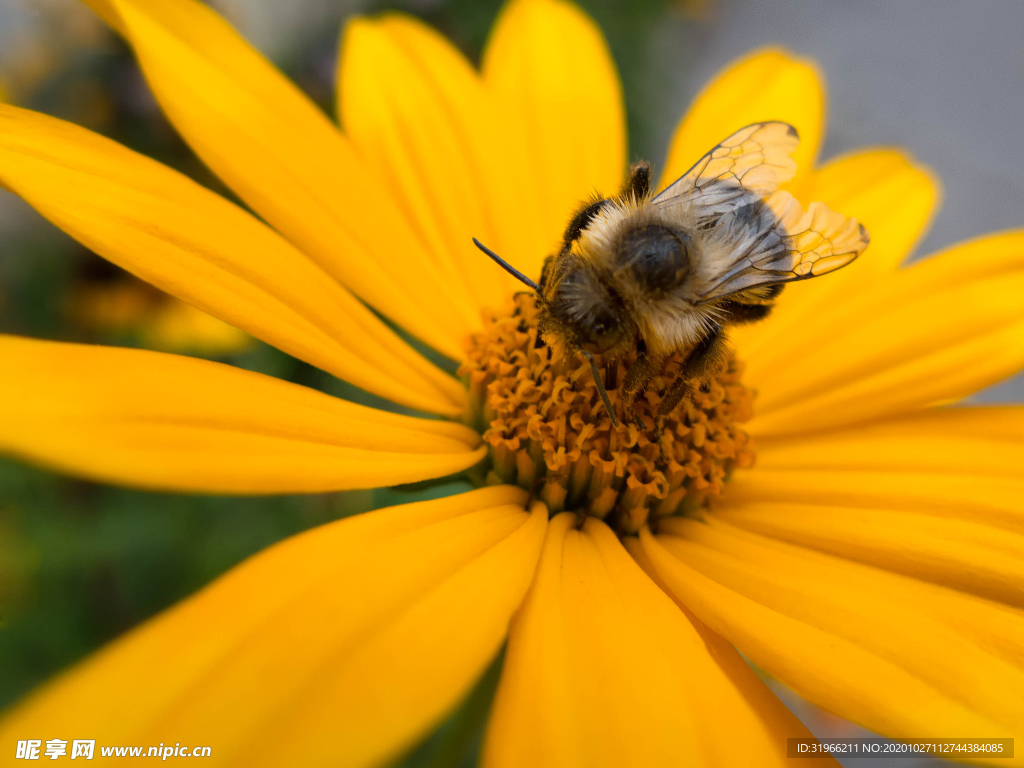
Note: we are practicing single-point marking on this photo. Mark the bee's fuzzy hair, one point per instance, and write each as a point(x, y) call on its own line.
point(667, 323)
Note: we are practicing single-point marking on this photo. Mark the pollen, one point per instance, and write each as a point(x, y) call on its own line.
point(547, 430)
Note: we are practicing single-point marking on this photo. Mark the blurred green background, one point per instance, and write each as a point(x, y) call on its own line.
point(80, 563)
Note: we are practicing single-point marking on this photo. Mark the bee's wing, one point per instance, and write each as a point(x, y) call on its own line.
point(745, 167)
point(776, 241)
point(753, 233)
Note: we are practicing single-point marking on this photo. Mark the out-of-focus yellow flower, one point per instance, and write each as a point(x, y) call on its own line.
point(154, 319)
point(872, 560)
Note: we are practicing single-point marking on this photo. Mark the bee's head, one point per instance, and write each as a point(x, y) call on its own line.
point(578, 310)
point(583, 311)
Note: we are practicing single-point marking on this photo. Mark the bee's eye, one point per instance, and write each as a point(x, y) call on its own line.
point(587, 307)
point(657, 257)
point(603, 332)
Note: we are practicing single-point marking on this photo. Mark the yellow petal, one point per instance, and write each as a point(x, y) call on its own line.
point(895, 199)
point(972, 557)
point(285, 159)
point(977, 441)
point(901, 657)
point(602, 669)
point(188, 241)
point(937, 495)
point(419, 112)
point(770, 84)
point(339, 646)
point(992, 501)
point(164, 421)
point(549, 64)
point(933, 332)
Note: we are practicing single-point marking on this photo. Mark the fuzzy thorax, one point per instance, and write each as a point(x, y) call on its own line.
point(547, 430)
point(667, 320)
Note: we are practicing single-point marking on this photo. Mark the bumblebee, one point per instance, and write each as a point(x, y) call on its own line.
point(665, 274)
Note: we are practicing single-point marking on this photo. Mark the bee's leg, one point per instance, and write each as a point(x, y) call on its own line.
point(749, 306)
point(640, 373)
point(696, 364)
point(638, 183)
point(680, 387)
point(639, 376)
point(581, 220)
point(659, 431)
point(737, 313)
point(673, 395)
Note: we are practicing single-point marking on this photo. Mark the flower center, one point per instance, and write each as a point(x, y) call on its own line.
point(548, 431)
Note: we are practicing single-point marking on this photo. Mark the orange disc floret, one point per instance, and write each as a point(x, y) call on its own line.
point(542, 417)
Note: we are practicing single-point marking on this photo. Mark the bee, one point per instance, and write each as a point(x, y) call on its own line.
point(664, 274)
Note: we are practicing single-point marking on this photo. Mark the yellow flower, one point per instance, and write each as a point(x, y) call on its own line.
point(872, 560)
point(127, 307)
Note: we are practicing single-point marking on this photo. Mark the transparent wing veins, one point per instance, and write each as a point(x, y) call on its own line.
point(734, 193)
point(750, 163)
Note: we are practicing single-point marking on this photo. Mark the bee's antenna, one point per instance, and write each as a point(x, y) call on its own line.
point(507, 267)
point(600, 387)
point(536, 288)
